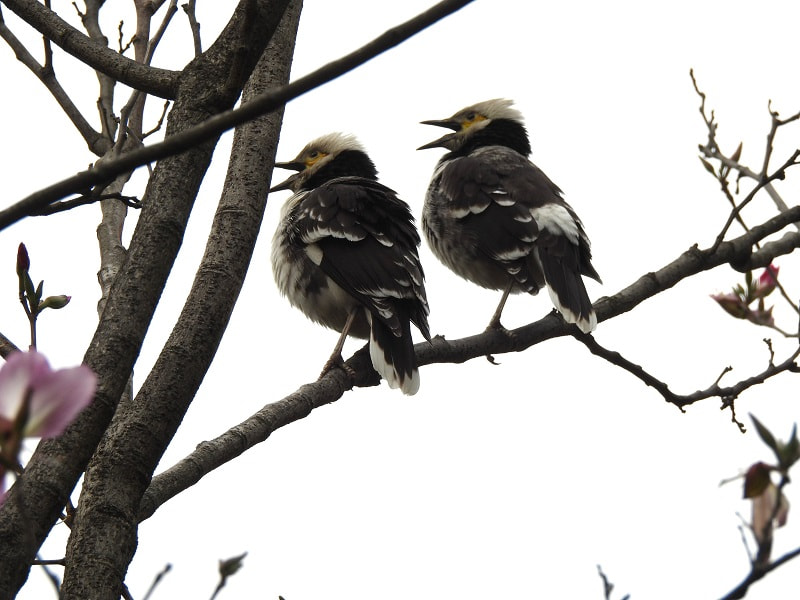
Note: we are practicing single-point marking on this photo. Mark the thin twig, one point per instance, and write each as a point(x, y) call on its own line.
point(681, 400)
point(151, 80)
point(97, 143)
point(153, 43)
point(129, 201)
point(711, 148)
point(52, 577)
point(608, 587)
point(160, 122)
point(189, 9)
point(758, 573)
point(156, 580)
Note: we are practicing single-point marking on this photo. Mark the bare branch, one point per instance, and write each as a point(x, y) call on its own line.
point(757, 573)
point(155, 5)
point(153, 43)
point(129, 201)
point(123, 48)
point(188, 8)
point(160, 122)
point(726, 394)
point(712, 150)
point(7, 346)
point(254, 430)
point(608, 587)
point(156, 580)
point(96, 142)
point(52, 577)
point(105, 100)
point(780, 173)
point(263, 104)
point(152, 80)
point(775, 124)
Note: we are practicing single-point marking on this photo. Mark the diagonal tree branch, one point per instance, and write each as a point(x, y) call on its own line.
point(757, 573)
point(263, 104)
point(257, 428)
point(6, 346)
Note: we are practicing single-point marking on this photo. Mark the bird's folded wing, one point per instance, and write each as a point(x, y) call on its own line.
point(365, 240)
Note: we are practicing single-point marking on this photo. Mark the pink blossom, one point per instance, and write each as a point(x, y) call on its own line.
point(36, 401)
point(732, 304)
point(766, 514)
point(767, 282)
point(53, 397)
point(761, 316)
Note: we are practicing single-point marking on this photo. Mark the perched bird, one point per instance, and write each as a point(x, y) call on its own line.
point(345, 253)
point(494, 218)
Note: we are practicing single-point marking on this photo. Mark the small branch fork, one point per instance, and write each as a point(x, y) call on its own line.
point(46, 74)
point(758, 572)
point(726, 394)
point(763, 178)
point(727, 164)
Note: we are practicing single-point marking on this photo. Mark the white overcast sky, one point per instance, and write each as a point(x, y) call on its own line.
point(510, 481)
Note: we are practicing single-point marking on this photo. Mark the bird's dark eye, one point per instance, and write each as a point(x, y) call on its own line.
point(471, 116)
point(313, 154)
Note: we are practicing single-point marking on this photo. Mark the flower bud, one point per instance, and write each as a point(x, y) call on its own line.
point(59, 301)
point(767, 282)
point(732, 304)
point(23, 260)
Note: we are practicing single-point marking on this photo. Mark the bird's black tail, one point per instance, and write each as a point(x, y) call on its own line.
point(393, 357)
point(562, 272)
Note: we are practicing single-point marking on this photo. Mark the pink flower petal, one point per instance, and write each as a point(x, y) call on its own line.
point(767, 283)
point(16, 377)
point(732, 304)
point(58, 398)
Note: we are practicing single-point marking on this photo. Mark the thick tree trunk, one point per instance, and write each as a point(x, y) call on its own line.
point(103, 539)
point(209, 85)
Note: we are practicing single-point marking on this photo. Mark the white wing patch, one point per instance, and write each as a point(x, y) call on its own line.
point(314, 252)
point(557, 220)
point(475, 208)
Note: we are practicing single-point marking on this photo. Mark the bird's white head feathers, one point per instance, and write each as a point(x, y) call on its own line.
point(470, 120)
point(314, 156)
point(332, 144)
point(497, 108)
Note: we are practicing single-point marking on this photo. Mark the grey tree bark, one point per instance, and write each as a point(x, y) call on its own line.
point(209, 85)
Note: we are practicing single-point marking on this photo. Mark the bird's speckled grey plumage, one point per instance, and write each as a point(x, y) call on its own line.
point(347, 245)
point(494, 218)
